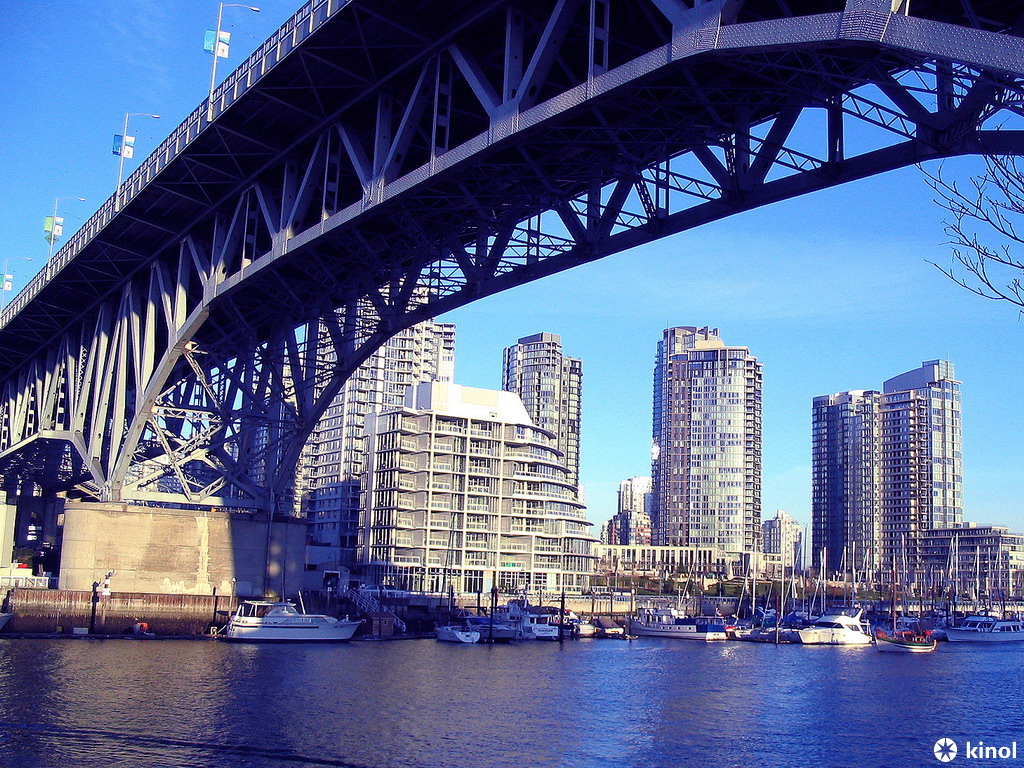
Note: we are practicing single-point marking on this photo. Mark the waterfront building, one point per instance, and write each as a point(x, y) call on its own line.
point(665, 562)
point(706, 455)
point(632, 521)
point(922, 458)
point(846, 476)
point(886, 467)
point(550, 385)
point(783, 537)
point(462, 491)
point(976, 562)
point(337, 448)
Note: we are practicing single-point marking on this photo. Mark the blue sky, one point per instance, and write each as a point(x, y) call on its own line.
point(832, 291)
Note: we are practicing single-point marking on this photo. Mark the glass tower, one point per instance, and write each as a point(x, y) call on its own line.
point(846, 472)
point(706, 454)
point(550, 386)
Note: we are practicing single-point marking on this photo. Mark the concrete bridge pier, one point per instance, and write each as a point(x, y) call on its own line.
point(161, 550)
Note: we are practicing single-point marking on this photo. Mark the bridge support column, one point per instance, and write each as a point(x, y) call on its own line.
point(180, 551)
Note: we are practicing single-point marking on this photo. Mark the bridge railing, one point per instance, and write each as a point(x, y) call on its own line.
point(300, 26)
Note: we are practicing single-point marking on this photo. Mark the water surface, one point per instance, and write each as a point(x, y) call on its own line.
point(648, 703)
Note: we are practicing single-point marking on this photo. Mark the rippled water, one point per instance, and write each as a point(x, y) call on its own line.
point(420, 704)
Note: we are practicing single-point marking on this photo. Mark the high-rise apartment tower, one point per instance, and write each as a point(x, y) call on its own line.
point(922, 458)
point(846, 476)
point(886, 467)
point(706, 455)
point(550, 386)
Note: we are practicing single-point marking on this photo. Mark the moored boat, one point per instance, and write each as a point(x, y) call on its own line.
point(836, 629)
point(904, 641)
point(986, 629)
point(258, 621)
point(666, 622)
point(492, 630)
point(455, 633)
point(531, 622)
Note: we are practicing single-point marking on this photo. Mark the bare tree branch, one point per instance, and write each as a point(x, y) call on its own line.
point(992, 202)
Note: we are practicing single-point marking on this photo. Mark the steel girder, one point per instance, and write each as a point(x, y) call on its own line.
point(380, 162)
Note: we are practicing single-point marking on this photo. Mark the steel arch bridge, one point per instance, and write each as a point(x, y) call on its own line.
point(378, 162)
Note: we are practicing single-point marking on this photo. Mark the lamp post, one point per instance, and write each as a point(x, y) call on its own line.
point(216, 50)
point(124, 145)
point(4, 279)
point(53, 230)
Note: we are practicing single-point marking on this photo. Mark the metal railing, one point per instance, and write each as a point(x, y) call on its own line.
point(300, 26)
point(367, 603)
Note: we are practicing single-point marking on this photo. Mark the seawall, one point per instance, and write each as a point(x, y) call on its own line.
point(61, 610)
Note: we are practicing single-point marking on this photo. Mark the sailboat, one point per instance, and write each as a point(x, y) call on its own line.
point(917, 640)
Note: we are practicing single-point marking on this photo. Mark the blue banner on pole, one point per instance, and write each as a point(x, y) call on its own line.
point(222, 44)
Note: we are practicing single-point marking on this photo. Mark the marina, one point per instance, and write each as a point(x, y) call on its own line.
point(413, 704)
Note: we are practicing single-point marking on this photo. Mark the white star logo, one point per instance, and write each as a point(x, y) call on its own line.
point(945, 750)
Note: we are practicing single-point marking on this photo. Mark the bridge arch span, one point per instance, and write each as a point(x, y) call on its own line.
point(384, 162)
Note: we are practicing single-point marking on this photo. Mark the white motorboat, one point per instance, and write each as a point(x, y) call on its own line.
point(668, 622)
point(531, 622)
point(837, 629)
point(986, 629)
point(492, 630)
point(455, 633)
point(585, 629)
point(258, 621)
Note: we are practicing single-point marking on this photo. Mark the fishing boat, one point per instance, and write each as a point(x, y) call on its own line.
point(905, 641)
point(837, 629)
point(667, 622)
point(258, 621)
point(905, 635)
point(455, 633)
point(986, 629)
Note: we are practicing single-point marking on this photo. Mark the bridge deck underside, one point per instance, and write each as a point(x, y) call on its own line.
point(399, 163)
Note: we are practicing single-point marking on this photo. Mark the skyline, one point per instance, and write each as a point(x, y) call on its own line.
point(832, 291)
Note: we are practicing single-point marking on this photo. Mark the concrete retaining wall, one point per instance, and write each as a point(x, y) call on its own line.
point(46, 610)
point(180, 551)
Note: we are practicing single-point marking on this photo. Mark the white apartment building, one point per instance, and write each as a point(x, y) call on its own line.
point(463, 492)
point(336, 451)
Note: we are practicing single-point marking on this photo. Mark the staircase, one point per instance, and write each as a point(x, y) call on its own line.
point(367, 603)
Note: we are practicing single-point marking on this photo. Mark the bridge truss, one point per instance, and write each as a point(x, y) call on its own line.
point(379, 162)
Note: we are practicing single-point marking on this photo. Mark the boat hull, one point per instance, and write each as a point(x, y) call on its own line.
point(699, 632)
point(816, 636)
point(955, 635)
point(339, 632)
point(457, 635)
point(888, 645)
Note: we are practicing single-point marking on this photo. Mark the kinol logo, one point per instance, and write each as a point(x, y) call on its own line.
point(946, 750)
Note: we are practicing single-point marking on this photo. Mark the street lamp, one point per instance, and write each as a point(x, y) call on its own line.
point(216, 50)
point(7, 279)
point(126, 149)
point(57, 226)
